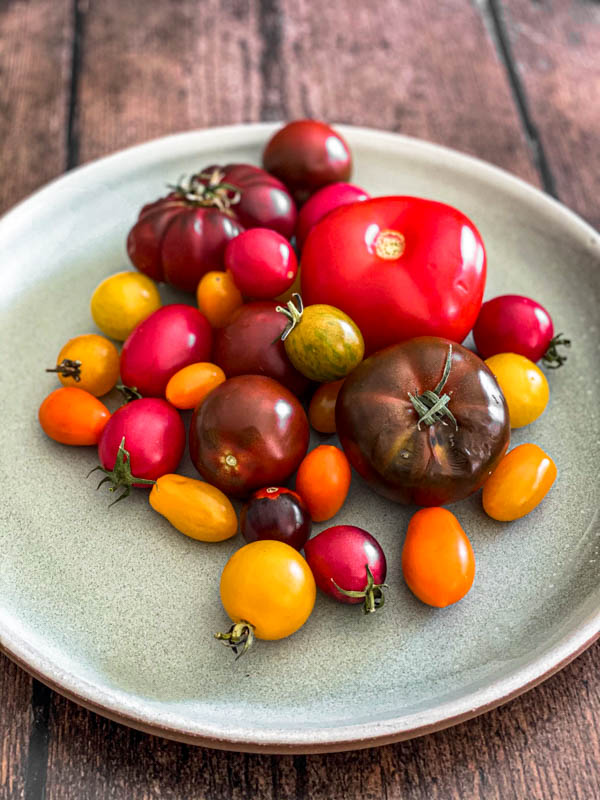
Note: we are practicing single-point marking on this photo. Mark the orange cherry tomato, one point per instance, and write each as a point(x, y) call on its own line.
point(218, 297)
point(89, 362)
point(188, 387)
point(321, 411)
point(323, 481)
point(437, 558)
point(73, 416)
point(519, 483)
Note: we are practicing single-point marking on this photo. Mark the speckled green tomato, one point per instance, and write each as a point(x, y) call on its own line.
point(322, 342)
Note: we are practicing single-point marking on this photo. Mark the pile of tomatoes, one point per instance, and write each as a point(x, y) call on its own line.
point(361, 338)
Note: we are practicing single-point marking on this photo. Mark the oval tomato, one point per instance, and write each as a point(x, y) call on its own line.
point(73, 416)
point(188, 387)
point(519, 483)
point(524, 386)
point(400, 267)
point(323, 481)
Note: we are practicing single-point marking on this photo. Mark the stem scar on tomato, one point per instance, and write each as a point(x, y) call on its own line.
point(390, 245)
point(120, 474)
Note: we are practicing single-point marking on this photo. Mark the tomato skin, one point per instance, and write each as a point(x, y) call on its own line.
point(276, 513)
point(437, 558)
point(524, 386)
point(168, 340)
point(321, 411)
point(262, 262)
point(218, 298)
point(323, 481)
point(269, 585)
point(73, 416)
point(188, 387)
point(322, 202)
point(432, 287)
point(99, 369)
point(154, 437)
point(195, 508)
point(122, 301)
point(249, 432)
point(519, 483)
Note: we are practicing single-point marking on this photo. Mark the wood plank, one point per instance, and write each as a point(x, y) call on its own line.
point(556, 46)
point(15, 726)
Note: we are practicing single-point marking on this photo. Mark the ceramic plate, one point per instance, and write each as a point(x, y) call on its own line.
point(115, 609)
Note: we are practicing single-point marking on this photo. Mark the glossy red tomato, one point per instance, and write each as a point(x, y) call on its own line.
point(399, 267)
point(251, 345)
point(262, 262)
point(180, 237)
point(161, 345)
point(248, 433)
point(307, 154)
point(324, 201)
point(276, 513)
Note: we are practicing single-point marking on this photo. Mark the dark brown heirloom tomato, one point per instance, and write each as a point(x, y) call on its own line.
point(180, 237)
point(276, 513)
point(415, 437)
point(249, 432)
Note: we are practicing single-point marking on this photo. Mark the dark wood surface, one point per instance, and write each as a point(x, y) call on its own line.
point(516, 82)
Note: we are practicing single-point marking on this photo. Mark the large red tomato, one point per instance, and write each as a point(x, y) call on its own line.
point(399, 267)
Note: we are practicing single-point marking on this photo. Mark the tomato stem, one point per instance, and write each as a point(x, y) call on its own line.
point(68, 368)
point(239, 637)
point(130, 393)
point(120, 475)
point(293, 311)
point(208, 189)
point(552, 359)
point(372, 593)
point(430, 405)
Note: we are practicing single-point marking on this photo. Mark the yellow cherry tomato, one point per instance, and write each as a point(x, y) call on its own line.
point(267, 588)
point(519, 483)
point(122, 301)
point(218, 297)
point(195, 508)
point(523, 385)
point(89, 362)
point(188, 387)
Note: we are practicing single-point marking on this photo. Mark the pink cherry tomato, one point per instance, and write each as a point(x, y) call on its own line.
point(161, 345)
point(349, 559)
point(512, 323)
point(324, 201)
point(262, 262)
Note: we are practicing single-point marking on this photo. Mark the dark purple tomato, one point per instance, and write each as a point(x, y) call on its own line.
point(349, 565)
point(324, 201)
point(276, 513)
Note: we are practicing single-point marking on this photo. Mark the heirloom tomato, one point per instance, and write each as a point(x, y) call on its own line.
point(423, 422)
point(323, 481)
point(276, 513)
point(324, 201)
point(400, 267)
point(249, 432)
point(519, 483)
point(89, 361)
point(524, 386)
point(180, 237)
point(73, 416)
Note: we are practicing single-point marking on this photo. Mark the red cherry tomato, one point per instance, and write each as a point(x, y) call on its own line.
point(324, 201)
point(161, 345)
point(348, 564)
point(307, 154)
point(249, 432)
point(512, 323)
point(400, 267)
point(276, 513)
point(262, 262)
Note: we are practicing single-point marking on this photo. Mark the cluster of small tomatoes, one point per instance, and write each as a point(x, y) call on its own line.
point(423, 420)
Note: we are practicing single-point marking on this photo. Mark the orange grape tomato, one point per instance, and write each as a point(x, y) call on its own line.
point(89, 362)
point(218, 297)
point(73, 416)
point(323, 481)
point(188, 387)
point(519, 483)
point(321, 411)
point(437, 558)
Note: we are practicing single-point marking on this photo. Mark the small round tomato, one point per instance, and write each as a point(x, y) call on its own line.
point(276, 513)
point(218, 297)
point(324, 201)
point(437, 558)
point(90, 361)
point(268, 591)
point(321, 411)
point(262, 263)
point(188, 387)
point(73, 416)
point(523, 385)
point(323, 481)
point(519, 483)
point(195, 508)
point(122, 301)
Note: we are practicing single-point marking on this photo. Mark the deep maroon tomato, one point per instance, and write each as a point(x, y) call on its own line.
point(182, 236)
point(249, 432)
point(251, 345)
point(324, 201)
point(403, 452)
point(276, 513)
point(152, 433)
point(512, 323)
point(399, 267)
point(307, 154)
point(348, 558)
point(262, 262)
point(161, 345)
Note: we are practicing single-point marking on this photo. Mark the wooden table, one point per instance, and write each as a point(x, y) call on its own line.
point(516, 82)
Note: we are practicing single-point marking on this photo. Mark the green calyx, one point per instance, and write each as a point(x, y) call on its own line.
point(120, 474)
point(239, 637)
point(552, 359)
point(68, 369)
point(374, 598)
point(130, 393)
point(293, 312)
point(208, 189)
point(431, 406)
